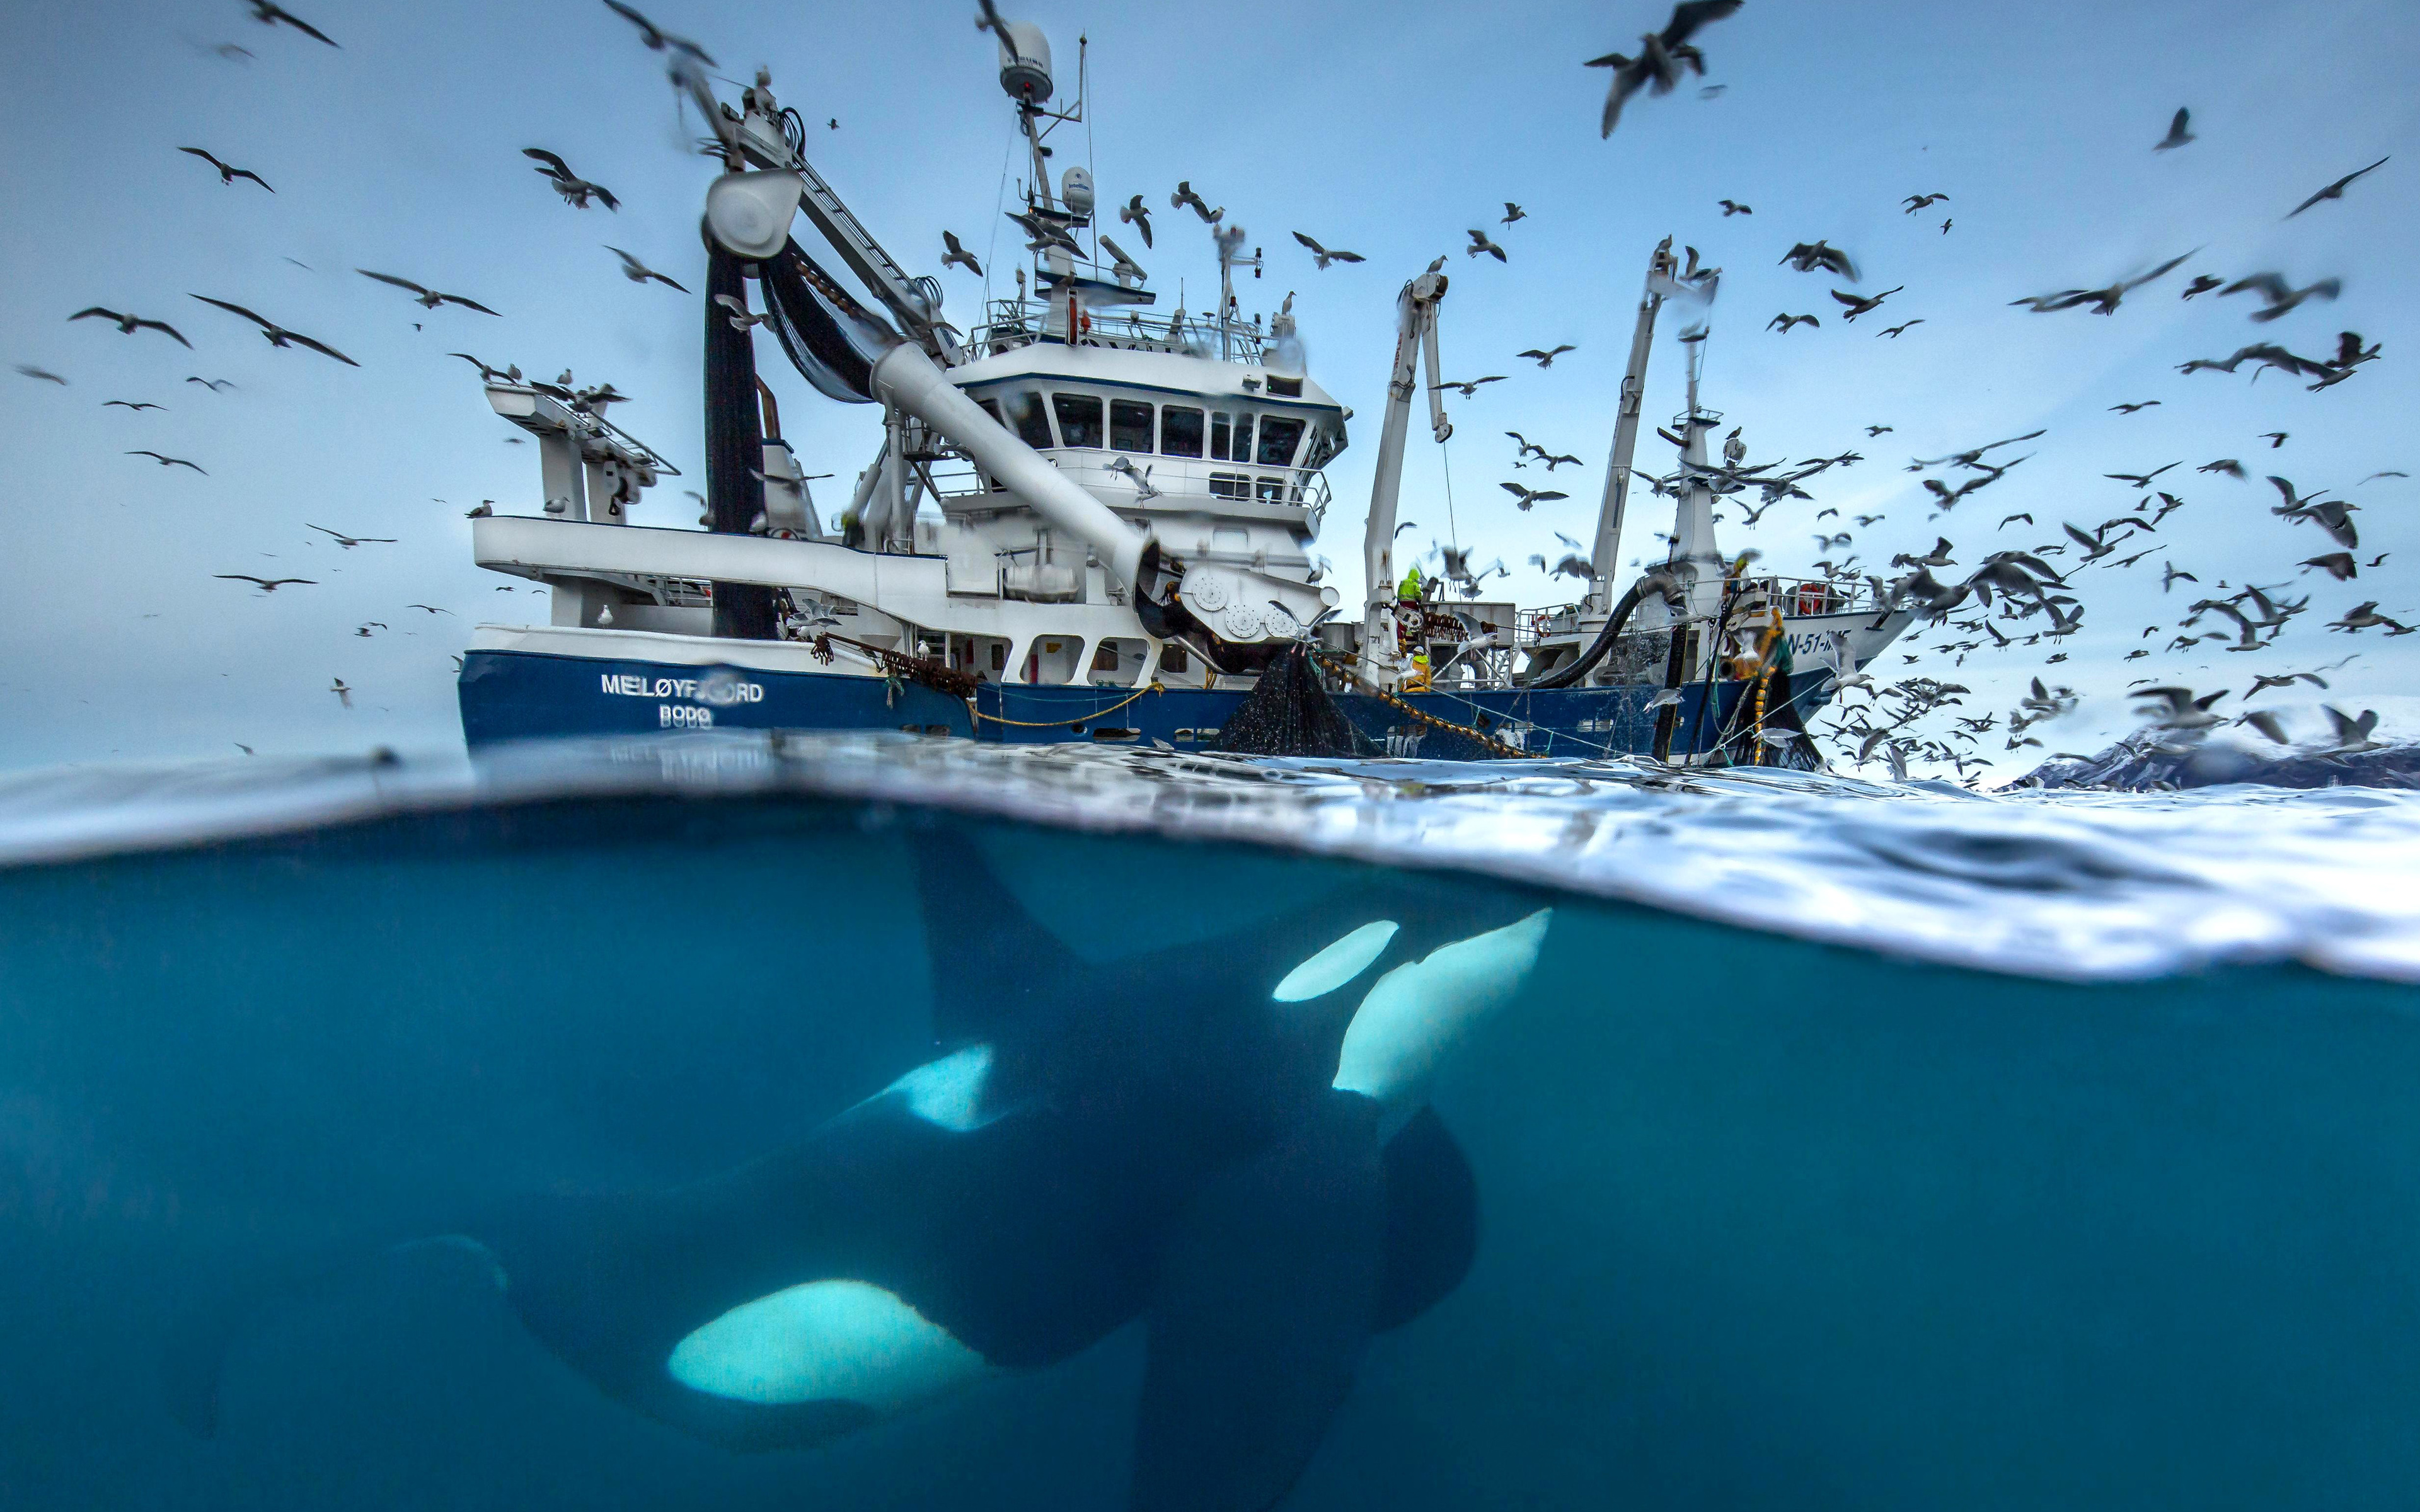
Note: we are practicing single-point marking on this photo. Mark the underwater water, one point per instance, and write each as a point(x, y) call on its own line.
point(1845, 1146)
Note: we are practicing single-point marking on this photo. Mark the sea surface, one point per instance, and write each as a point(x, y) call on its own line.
point(1851, 1145)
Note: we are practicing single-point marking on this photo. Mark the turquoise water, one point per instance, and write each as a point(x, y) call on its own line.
point(1847, 1147)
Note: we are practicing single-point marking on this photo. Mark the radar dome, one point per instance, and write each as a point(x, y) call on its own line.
point(1076, 189)
point(1024, 62)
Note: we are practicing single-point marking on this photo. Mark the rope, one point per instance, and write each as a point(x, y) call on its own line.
point(1483, 737)
point(1056, 724)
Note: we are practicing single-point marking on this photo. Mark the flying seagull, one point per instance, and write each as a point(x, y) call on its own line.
point(1661, 57)
point(348, 542)
point(657, 39)
point(128, 404)
point(2281, 298)
point(1470, 387)
point(1893, 332)
point(1136, 213)
point(2177, 135)
point(1526, 497)
point(1918, 201)
point(278, 335)
point(344, 694)
point(1185, 196)
point(639, 272)
point(228, 173)
point(267, 585)
point(1732, 207)
point(171, 461)
point(1546, 360)
point(575, 191)
point(269, 15)
point(1788, 322)
point(130, 324)
point(1324, 255)
point(2334, 190)
point(43, 374)
point(1808, 256)
point(1480, 243)
point(2103, 301)
point(956, 252)
point(1513, 212)
point(2129, 408)
point(427, 299)
point(1861, 305)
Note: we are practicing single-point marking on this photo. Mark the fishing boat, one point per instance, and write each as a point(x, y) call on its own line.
point(1093, 521)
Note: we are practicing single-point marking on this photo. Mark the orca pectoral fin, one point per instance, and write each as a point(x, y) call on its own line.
point(1432, 1233)
point(1264, 1303)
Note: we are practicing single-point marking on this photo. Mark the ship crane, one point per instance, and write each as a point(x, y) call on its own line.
point(1415, 336)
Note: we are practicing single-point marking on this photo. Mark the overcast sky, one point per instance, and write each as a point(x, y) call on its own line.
point(400, 151)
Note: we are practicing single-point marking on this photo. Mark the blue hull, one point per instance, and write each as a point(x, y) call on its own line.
point(517, 694)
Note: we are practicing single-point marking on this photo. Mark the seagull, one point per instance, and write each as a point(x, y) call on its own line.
point(1513, 212)
point(639, 272)
point(2365, 616)
point(1661, 57)
point(2140, 480)
point(2337, 564)
point(41, 373)
point(657, 39)
point(1470, 387)
point(1873, 431)
point(228, 174)
point(575, 191)
point(1140, 479)
point(2268, 354)
point(1041, 233)
point(484, 508)
point(957, 254)
point(1893, 332)
point(1553, 462)
point(1809, 256)
point(1918, 201)
point(2266, 681)
point(1789, 321)
point(430, 608)
point(2390, 473)
point(128, 404)
point(2129, 408)
point(348, 542)
point(1185, 196)
point(364, 630)
point(2010, 519)
point(2103, 301)
point(2334, 190)
point(2351, 734)
point(1946, 225)
point(344, 694)
point(171, 461)
point(214, 385)
point(2203, 284)
point(1546, 360)
point(2281, 298)
point(2274, 438)
point(428, 298)
point(267, 585)
point(1732, 207)
point(1480, 243)
point(2225, 464)
point(1325, 256)
point(269, 15)
point(740, 318)
point(1861, 305)
point(130, 324)
point(278, 335)
point(1136, 213)
point(2177, 135)
point(1526, 496)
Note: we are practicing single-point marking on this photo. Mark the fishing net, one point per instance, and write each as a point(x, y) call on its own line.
point(1289, 714)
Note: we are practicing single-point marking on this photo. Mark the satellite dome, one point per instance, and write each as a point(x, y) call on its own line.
point(1076, 189)
point(1024, 62)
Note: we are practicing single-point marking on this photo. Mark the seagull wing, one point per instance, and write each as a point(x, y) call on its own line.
point(390, 278)
point(474, 304)
point(206, 157)
point(554, 163)
point(236, 309)
point(166, 329)
point(321, 348)
point(1692, 14)
point(1318, 251)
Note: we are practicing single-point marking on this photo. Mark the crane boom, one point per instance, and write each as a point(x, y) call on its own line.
point(1416, 333)
point(1605, 552)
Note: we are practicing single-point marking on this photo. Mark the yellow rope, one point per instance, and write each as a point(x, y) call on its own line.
point(1058, 724)
point(1425, 717)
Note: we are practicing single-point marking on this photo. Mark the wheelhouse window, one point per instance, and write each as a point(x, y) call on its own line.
point(1180, 431)
point(1032, 421)
point(1326, 441)
point(991, 408)
point(1079, 418)
point(1129, 426)
point(1279, 436)
point(1230, 439)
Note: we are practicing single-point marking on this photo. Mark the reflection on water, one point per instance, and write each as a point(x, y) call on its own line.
point(1763, 1220)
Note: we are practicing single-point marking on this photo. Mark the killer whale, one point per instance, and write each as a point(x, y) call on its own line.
point(1228, 1143)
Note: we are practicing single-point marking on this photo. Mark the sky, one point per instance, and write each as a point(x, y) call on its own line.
point(400, 151)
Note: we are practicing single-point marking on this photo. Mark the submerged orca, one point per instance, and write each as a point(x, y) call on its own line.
point(1229, 1141)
